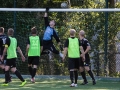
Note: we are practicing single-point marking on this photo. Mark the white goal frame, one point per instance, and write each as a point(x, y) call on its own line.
point(61, 10)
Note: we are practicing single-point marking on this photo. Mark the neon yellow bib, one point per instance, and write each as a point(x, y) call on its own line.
point(34, 49)
point(73, 48)
point(11, 51)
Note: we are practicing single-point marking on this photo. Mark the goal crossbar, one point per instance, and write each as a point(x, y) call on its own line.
point(60, 10)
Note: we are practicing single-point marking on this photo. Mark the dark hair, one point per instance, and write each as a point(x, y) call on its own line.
point(1, 29)
point(33, 30)
point(10, 31)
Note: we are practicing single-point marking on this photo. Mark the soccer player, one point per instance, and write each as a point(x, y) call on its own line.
point(48, 35)
point(10, 48)
point(73, 47)
point(33, 51)
point(2, 45)
point(85, 64)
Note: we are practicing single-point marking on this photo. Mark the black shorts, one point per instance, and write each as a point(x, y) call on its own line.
point(11, 62)
point(73, 63)
point(34, 60)
point(49, 46)
point(87, 61)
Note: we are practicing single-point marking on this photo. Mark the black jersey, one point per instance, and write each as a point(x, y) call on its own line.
point(85, 43)
point(2, 43)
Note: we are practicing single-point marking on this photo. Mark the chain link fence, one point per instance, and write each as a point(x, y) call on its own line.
point(92, 22)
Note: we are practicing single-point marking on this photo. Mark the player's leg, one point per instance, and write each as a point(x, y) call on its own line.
point(45, 50)
point(16, 72)
point(54, 50)
point(87, 68)
point(35, 64)
point(82, 71)
point(7, 67)
point(76, 70)
point(3, 68)
point(30, 59)
point(71, 69)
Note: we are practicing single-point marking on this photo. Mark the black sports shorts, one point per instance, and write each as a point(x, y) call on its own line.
point(87, 61)
point(34, 60)
point(49, 46)
point(73, 63)
point(11, 62)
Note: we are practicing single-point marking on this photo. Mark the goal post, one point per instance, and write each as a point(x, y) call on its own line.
point(92, 21)
point(60, 10)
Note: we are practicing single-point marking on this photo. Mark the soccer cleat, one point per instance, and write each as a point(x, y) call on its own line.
point(75, 85)
point(4, 84)
point(94, 82)
point(33, 80)
point(61, 55)
point(72, 85)
point(23, 83)
point(84, 83)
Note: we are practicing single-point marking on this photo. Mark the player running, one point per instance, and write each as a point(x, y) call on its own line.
point(73, 47)
point(10, 48)
point(2, 45)
point(85, 64)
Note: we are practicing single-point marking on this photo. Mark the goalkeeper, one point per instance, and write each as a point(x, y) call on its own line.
point(48, 35)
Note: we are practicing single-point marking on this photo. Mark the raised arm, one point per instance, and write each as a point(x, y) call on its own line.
point(46, 18)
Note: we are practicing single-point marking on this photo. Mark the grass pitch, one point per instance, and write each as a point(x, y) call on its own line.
point(52, 84)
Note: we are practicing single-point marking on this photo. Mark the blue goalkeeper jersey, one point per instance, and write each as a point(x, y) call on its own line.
point(49, 32)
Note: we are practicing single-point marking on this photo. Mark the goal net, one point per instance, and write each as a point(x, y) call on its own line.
point(102, 27)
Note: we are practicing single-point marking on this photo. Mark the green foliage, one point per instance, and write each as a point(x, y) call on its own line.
point(92, 22)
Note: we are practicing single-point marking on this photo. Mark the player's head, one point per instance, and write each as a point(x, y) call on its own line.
point(82, 33)
point(72, 32)
point(10, 32)
point(1, 30)
point(33, 30)
point(52, 23)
